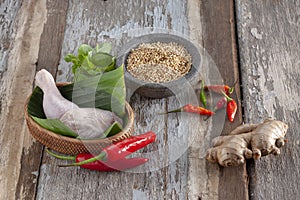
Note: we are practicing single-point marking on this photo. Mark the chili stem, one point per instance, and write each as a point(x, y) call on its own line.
point(60, 156)
point(101, 156)
point(231, 89)
point(227, 97)
point(172, 111)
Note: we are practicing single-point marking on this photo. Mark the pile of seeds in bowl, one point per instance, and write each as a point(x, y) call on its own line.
point(159, 62)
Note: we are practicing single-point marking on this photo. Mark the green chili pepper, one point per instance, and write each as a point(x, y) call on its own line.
point(202, 95)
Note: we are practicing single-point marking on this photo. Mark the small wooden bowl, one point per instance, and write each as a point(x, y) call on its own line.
point(165, 89)
point(73, 146)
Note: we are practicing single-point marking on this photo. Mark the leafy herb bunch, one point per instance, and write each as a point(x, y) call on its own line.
point(97, 82)
point(91, 61)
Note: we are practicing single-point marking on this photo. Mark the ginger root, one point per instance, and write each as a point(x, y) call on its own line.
point(248, 141)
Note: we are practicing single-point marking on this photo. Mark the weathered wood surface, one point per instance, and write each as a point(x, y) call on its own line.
point(38, 33)
point(50, 42)
point(219, 39)
point(269, 50)
point(22, 27)
point(92, 22)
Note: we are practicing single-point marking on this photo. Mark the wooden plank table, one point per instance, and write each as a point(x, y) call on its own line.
point(254, 42)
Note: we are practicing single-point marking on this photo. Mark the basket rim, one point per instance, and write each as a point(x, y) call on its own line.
point(129, 113)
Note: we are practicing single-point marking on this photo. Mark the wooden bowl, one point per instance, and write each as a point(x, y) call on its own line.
point(73, 146)
point(165, 89)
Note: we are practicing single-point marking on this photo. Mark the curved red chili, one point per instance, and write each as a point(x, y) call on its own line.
point(196, 109)
point(220, 104)
point(189, 108)
point(96, 165)
point(218, 88)
point(221, 88)
point(125, 147)
point(231, 108)
point(119, 165)
point(127, 163)
point(121, 149)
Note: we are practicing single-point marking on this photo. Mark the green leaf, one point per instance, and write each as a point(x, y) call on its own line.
point(88, 66)
point(112, 66)
point(55, 126)
point(106, 91)
point(70, 58)
point(97, 83)
point(101, 60)
point(84, 49)
point(35, 109)
point(77, 61)
point(35, 104)
point(114, 129)
point(91, 61)
point(82, 74)
point(104, 47)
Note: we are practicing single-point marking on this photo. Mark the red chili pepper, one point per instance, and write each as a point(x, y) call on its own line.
point(98, 165)
point(220, 104)
point(125, 147)
point(221, 88)
point(189, 108)
point(127, 163)
point(121, 149)
point(231, 108)
point(218, 88)
point(196, 109)
point(119, 165)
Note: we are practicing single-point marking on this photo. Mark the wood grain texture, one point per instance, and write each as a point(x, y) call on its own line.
point(219, 39)
point(48, 57)
point(52, 36)
point(17, 79)
point(94, 22)
point(32, 35)
point(8, 12)
point(176, 170)
point(270, 48)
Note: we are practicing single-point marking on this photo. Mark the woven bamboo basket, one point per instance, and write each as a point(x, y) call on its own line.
point(73, 146)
